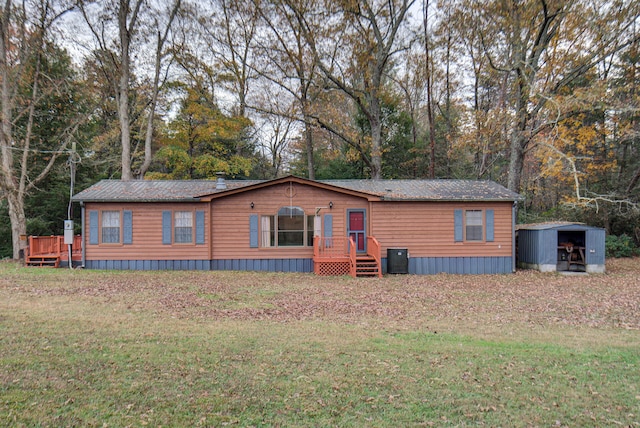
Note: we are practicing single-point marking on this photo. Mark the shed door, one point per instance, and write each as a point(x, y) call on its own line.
point(356, 229)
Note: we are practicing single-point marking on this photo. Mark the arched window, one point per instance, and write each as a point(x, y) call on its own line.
point(291, 227)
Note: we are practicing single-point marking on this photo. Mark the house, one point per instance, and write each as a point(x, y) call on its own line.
point(562, 247)
point(293, 224)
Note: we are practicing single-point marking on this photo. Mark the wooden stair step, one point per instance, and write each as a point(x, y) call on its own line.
point(43, 261)
point(367, 267)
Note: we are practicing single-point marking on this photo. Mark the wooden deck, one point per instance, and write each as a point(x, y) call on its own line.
point(338, 256)
point(51, 250)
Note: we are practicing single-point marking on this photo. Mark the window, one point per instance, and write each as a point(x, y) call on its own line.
point(473, 225)
point(310, 229)
point(184, 227)
point(268, 231)
point(290, 228)
point(110, 227)
point(183, 221)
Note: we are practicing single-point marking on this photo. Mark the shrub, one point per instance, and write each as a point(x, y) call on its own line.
point(620, 246)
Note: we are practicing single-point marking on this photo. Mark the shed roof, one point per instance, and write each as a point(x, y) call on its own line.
point(558, 225)
point(398, 190)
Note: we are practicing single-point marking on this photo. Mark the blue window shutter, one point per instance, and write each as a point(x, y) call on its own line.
point(166, 227)
point(458, 235)
point(490, 228)
point(253, 231)
point(199, 227)
point(328, 225)
point(328, 229)
point(93, 227)
point(127, 223)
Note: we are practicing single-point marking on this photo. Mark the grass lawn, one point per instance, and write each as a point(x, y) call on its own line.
point(112, 349)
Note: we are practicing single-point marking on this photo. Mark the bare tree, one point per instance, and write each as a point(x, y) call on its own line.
point(228, 31)
point(525, 41)
point(24, 32)
point(429, 87)
point(357, 60)
point(279, 129)
point(161, 35)
point(116, 57)
point(290, 64)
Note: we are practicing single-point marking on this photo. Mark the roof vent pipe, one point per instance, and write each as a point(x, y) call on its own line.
point(220, 183)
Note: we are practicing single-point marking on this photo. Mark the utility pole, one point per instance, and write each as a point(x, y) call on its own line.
point(68, 223)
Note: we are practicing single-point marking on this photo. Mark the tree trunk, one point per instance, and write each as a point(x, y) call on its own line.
point(375, 121)
point(17, 175)
point(123, 91)
point(18, 224)
point(148, 139)
point(9, 184)
point(427, 62)
point(308, 129)
point(162, 38)
point(308, 136)
point(516, 162)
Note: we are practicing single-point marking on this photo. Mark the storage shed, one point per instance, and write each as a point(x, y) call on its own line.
point(562, 247)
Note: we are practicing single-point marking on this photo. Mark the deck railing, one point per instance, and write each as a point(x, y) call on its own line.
point(341, 253)
point(53, 246)
point(352, 257)
point(330, 247)
point(374, 250)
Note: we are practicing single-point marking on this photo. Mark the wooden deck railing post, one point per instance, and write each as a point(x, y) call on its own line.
point(59, 245)
point(352, 256)
point(374, 250)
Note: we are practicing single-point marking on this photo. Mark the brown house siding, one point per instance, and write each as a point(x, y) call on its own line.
point(427, 228)
point(230, 218)
point(227, 226)
point(147, 234)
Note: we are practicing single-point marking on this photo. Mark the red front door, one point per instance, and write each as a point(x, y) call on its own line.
point(356, 229)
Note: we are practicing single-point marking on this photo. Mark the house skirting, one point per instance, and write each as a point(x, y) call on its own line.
point(266, 265)
point(457, 265)
point(148, 264)
point(417, 265)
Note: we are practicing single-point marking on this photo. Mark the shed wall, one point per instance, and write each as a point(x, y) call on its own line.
point(547, 247)
point(595, 247)
point(538, 248)
point(528, 246)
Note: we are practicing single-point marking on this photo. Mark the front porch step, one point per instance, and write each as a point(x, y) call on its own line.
point(52, 261)
point(367, 266)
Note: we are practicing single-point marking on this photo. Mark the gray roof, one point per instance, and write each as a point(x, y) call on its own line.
point(153, 190)
point(564, 225)
point(430, 190)
point(408, 190)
